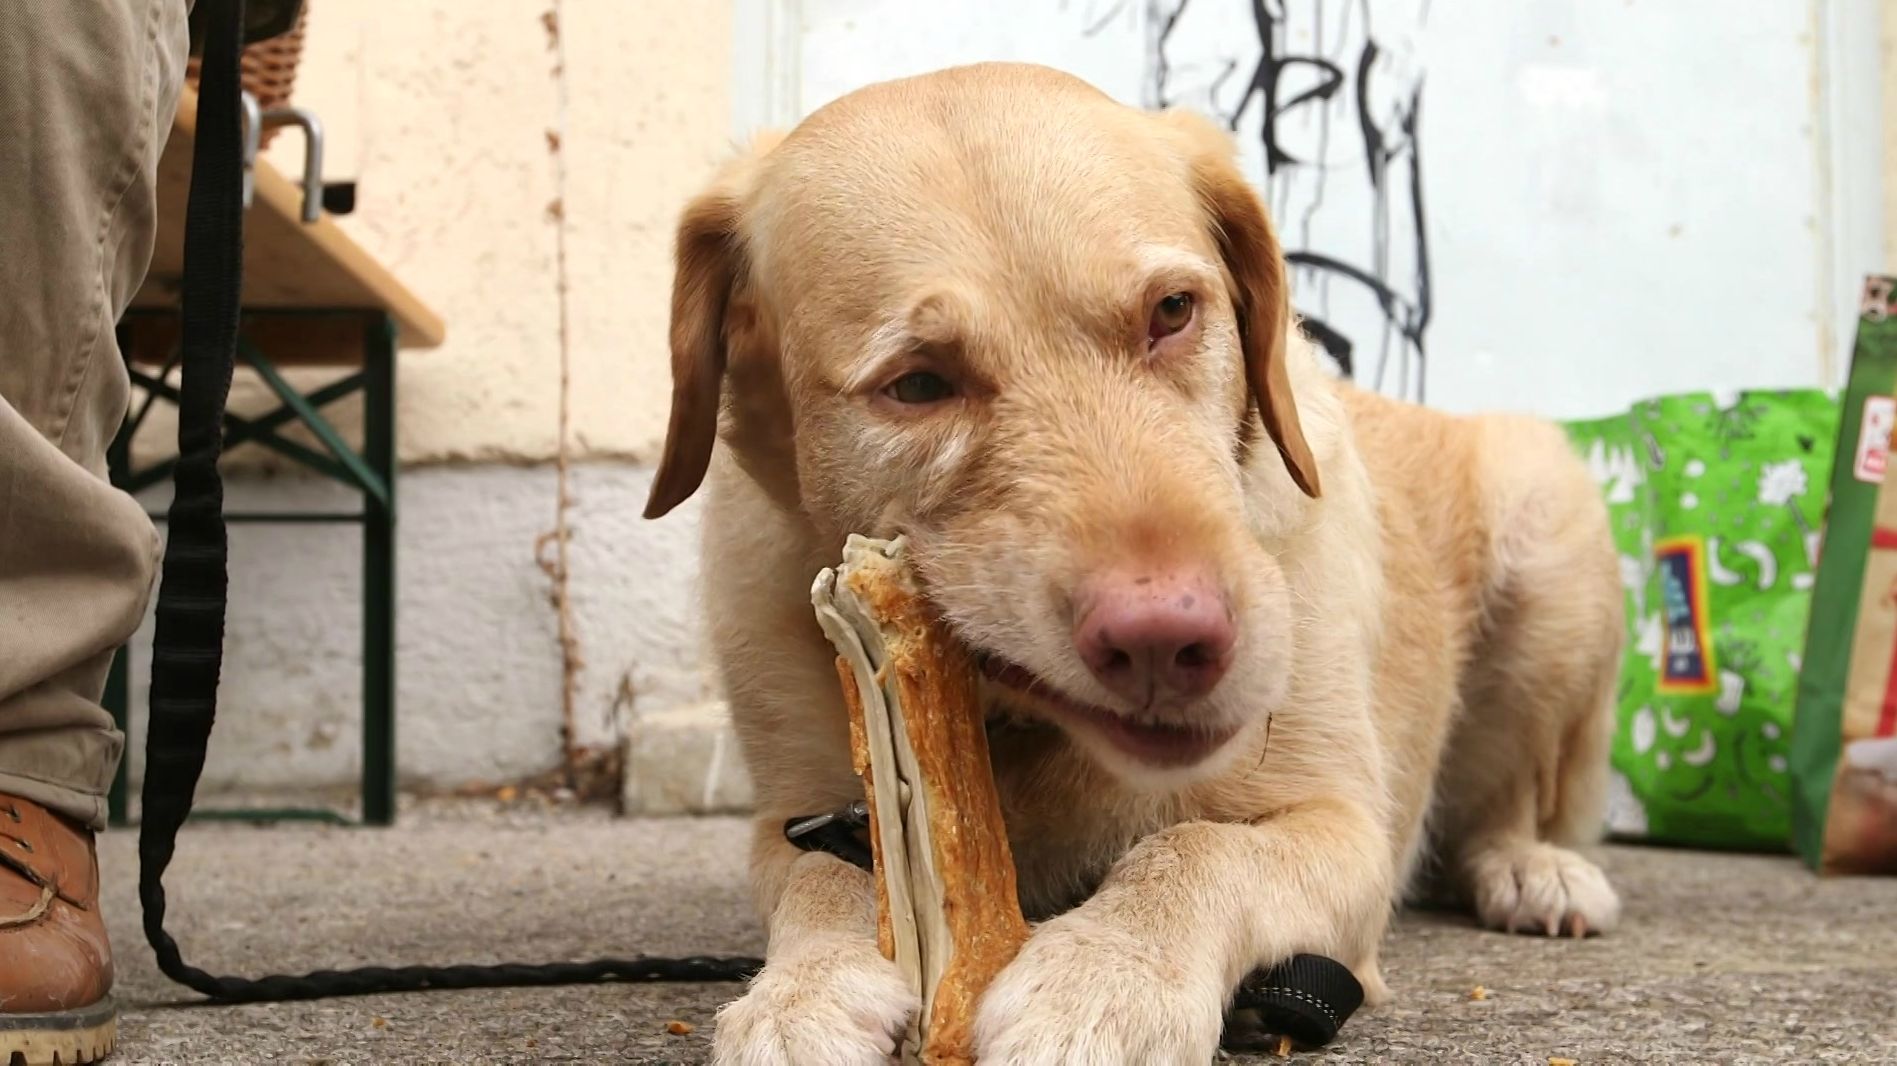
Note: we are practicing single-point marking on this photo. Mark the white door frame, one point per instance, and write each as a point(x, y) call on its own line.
point(1850, 168)
point(766, 65)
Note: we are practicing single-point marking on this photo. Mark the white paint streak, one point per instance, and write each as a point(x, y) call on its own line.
point(1546, 85)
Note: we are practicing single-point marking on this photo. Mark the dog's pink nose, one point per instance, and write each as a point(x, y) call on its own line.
point(1151, 634)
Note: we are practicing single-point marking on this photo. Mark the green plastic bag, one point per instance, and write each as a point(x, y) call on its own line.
point(1716, 505)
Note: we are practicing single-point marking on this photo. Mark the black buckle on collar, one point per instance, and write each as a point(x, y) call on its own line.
point(840, 832)
point(1306, 997)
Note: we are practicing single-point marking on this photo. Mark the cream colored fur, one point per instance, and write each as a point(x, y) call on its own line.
point(1428, 636)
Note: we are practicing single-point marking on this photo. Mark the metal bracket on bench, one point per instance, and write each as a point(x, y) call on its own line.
point(256, 121)
point(253, 143)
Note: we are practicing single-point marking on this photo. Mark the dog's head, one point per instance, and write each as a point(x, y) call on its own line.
point(1041, 334)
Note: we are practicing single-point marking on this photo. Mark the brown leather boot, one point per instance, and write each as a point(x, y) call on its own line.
point(55, 963)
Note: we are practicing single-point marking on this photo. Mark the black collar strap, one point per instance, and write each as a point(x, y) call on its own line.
point(1306, 997)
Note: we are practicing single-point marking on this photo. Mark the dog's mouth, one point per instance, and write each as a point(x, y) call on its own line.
point(1162, 745)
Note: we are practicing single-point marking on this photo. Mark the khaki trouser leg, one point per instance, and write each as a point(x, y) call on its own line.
point(87, 93)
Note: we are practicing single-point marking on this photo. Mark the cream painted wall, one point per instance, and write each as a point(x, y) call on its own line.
point(475, 153)
point(649, 100)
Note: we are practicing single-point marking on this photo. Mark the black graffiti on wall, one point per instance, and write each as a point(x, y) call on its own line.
point(1333, 92)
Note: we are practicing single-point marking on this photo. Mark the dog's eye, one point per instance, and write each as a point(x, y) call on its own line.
point(919, 387)
point(1170, 315)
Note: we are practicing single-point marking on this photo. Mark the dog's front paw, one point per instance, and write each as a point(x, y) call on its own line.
point(838, 1003)
point(1081, 992)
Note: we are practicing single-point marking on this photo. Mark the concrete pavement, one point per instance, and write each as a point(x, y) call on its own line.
point(1722, 958)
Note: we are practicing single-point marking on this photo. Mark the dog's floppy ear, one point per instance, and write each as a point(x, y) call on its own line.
point(1261, 297)
point(709, 264)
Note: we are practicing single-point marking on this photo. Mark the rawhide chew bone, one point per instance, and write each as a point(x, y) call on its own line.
point(947, 912)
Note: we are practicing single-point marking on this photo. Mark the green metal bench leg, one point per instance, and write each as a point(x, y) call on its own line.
point(378, 578)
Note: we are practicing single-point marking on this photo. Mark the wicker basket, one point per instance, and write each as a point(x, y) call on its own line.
point(269, 68)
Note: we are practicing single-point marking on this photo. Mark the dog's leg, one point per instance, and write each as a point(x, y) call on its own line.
point(1522, 788)
point(1524, 780)
point(826, 994)
point(1142, 971)
point(1517, 876)
point(1520, 791)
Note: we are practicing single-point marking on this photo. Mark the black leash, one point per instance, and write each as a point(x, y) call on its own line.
point(188, 646)
point(1307, 997)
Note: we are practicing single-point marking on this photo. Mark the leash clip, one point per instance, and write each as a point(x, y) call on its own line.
point(835, 833)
